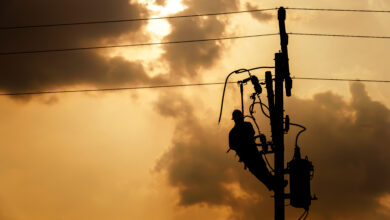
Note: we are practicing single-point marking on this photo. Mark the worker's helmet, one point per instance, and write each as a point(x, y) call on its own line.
point(236, 114)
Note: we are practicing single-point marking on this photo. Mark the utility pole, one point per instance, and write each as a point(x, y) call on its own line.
point(277, 113)
point(278, 139)
point(300, 170)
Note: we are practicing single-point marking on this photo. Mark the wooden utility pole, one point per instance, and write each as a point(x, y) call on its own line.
point(278, 139)
point(277, 113)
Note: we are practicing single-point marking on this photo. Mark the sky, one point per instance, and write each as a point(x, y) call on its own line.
point(160, 153)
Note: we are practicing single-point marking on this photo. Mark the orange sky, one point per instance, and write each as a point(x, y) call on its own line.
point(159, 154)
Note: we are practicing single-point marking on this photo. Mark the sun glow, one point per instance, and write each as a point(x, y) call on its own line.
point(384, 202)
point(162, 28)
point(157, 29)
point(171, 7)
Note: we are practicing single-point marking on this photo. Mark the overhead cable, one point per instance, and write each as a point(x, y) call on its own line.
point(184, 41)
point(338, 10)
point(111, 89)
point(184, 16)
point(339, 35)
point(345, 80)
point(133, 19)
point(133, 45)
point(170, 86)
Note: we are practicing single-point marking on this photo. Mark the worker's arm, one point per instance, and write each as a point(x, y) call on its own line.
point(251, 130)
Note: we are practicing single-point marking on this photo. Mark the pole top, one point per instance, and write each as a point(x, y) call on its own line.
point(281, 14)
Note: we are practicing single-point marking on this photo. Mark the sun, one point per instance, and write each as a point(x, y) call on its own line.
point(161, 28)
point(156, 28)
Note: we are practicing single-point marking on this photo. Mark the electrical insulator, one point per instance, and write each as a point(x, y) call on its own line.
point(256, 84)
point(301, 171)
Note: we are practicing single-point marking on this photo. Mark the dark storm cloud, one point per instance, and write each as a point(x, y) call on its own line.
point(59, 70)
point(53, 70)
point(198, 166)
point(260, 16)
point(185, 60)
point(347, 142)
point(20, 13)
point(194, 150)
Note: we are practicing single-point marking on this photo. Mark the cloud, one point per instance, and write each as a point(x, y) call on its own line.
point(49, 12)
point(53, 71)
point(187, 59)
point(160, 2)
point(347, 142)
point(260, 16)
point(66, 69)
point(198, 166)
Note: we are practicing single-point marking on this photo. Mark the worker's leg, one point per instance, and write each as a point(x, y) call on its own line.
point(258, 168)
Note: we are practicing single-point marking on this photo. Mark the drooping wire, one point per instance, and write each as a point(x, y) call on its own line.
point(307, 214)
point(226, 81)
point(301, 216)
point(258, 129)
point(251, 108)
point(251, 111)
point(252, 117)
point(223, 95)
point(304, 215)
point(268, 163)
point(261, 107)
point(299, 133)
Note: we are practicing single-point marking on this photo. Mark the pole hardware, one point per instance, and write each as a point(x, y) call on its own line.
point(299, 170)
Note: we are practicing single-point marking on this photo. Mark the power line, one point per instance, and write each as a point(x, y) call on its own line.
point(185, 41)
point(345, 80)
point(339, 10)
point(133, 45)
point(173, 86)
point(184, 16)
point(133, 19)
point(340, 35)
point(111, 89)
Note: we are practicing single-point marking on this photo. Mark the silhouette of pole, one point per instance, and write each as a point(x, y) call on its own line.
point(282, 74)
point(278, 139)
point(283, 44)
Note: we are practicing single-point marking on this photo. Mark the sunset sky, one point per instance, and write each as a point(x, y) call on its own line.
point(160, 153)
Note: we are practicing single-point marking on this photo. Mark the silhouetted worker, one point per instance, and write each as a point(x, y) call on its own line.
point(241, 139)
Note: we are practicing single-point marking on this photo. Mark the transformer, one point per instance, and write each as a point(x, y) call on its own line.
point(301, 172)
